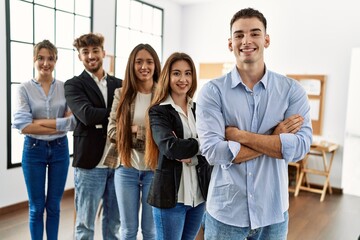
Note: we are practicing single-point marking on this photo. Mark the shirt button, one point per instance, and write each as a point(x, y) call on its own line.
point(251, 195)
point(250, 174)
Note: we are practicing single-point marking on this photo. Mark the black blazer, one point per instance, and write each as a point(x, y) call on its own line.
point(164, 120)
point(87, 104)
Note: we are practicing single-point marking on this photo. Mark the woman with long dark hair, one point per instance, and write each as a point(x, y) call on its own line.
point(127, 129)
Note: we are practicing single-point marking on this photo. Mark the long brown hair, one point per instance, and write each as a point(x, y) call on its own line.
point(128, 93)
point(162, 91)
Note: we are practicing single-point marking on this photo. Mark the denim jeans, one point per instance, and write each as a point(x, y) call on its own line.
point(181, 222)
point(39, 157)
point(215, 230)
point(132, 188)
point(92, 185)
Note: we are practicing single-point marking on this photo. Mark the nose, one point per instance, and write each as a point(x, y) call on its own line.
point(246, 40)
point(143, 66)
point(46, 61)
point(183, 78)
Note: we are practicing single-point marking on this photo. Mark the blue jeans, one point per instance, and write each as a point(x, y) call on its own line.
point(217, 230)
point(92, 185)
point(180, 222)
point(132, 187)
point(38, 157)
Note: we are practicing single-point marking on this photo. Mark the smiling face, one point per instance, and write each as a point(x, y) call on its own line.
point(180, 78)
point(144, 66)
point(45, 63)
point(92, 58)
point(248, 41)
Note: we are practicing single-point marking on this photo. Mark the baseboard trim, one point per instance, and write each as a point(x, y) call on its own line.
point(20, 205)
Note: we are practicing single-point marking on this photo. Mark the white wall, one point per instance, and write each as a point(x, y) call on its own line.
point(351, 182)
point(307, 37)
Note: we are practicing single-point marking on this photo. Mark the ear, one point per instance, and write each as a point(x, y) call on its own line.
point(230, 45)
point(79, 57)
point(104, 53)
point(267, 41)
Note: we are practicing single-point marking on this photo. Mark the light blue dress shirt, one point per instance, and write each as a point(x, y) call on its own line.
point(254, 193)
point(34, 104)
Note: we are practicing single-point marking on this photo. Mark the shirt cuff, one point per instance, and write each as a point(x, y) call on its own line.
point(65, 124)
point(234, 148)
point(288, 146)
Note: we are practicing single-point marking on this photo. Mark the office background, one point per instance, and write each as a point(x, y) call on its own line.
point(306, 37)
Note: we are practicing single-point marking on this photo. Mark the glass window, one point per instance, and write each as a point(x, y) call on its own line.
point(83, 7)
point(135, 15)
point(28, 23)
point(123, 13)
point(22, 57)
point(21, 21)
point(82, 25)
point(67, 5)
point(49, 3)
point(44, 24)
point(64, 26)
point(147, 19)
point(136, 22)
point(65, 59)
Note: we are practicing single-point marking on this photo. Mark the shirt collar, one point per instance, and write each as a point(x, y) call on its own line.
point(170, 101)
point(34, 80)
point(102, 81)
point(236, 79)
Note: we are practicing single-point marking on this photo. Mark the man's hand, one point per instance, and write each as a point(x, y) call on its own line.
point(290, 125)
point(232, 133)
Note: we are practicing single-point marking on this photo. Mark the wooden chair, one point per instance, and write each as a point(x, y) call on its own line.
point(318, 151)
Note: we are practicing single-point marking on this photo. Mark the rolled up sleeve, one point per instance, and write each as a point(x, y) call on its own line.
point(211, 128)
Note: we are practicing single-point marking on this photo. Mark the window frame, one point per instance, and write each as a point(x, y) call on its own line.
point(116, 57)
point(9, 40)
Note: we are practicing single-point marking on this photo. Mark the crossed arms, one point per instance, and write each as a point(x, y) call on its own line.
point(254, 145)
point(44, 126)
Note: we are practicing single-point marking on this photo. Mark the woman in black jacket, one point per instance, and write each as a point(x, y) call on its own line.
point(171, 149)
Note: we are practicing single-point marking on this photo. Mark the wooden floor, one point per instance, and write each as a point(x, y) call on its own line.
point(338, 217)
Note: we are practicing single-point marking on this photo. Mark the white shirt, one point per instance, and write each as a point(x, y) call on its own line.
point(142, 103)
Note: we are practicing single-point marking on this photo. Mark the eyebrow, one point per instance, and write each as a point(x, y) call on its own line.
point(251, 30)
point(88, 48)
point(178, 70)
point(144, 59)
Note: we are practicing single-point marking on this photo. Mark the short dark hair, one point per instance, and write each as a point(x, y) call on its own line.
point(90, 39)
point(47, 45)
point(248, 13)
